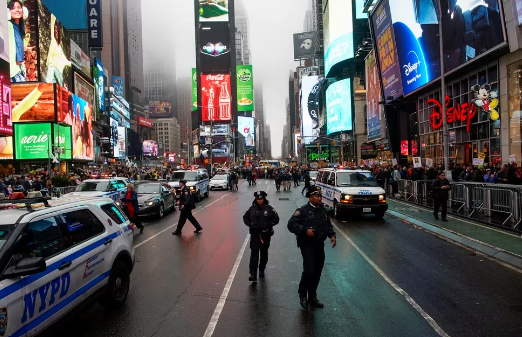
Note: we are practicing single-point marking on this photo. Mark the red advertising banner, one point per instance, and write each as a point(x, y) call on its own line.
point(144, 121)
point(215, 97)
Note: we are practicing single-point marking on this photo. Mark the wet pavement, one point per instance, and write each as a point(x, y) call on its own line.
point(384, 278)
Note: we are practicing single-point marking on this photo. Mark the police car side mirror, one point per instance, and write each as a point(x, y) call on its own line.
point(331, 182)
point(27, 266)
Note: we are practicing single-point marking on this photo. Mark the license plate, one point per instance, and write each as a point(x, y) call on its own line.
point(367, 210)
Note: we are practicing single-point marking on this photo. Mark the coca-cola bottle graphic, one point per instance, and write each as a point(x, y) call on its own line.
point(210, 105)
point(224, 103)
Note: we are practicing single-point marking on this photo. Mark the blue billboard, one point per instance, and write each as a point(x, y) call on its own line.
point(117, 84)
point(339, 107)
point(338, 33)
point(100, 84)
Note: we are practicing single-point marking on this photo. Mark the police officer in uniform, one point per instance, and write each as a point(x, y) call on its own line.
point(260, 219)
point(186, 205)
point(311, 226)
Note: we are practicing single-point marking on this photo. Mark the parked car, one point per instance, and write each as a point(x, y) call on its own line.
point(153, 199)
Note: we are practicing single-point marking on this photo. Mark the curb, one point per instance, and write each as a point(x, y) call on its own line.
point(502, 255)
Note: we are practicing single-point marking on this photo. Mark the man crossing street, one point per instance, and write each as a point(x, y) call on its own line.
point(186, 205)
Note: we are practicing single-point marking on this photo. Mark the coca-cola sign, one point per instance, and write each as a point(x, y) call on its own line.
point(215, 98)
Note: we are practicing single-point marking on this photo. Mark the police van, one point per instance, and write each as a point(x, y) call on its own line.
point(351, 191)
point(114, 188)
point(56, 255)
point(197, 182)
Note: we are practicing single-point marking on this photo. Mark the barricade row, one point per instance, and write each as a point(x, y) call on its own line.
point(498, 205)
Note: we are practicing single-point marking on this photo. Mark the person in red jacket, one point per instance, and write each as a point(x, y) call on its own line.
point(131, 200)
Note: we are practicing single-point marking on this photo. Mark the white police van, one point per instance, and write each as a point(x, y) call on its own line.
point(351, 191)
point(56, 255)
point(197, 181)
point(114, 188)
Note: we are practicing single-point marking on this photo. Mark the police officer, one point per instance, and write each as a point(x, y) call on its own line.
point(311, 226)
point(260, 218)
point(186, 205)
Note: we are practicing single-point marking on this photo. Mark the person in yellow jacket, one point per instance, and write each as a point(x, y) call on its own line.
point(56, 59)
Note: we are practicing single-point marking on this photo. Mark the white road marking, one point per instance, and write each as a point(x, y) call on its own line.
point(410, 300)
point(166, 229)
point(223, 298)
point(459, 219)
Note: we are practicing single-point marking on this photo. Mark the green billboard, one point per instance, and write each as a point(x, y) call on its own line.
point(32, 141)
point(245, 88)
point(194, 89)
point(62, 139)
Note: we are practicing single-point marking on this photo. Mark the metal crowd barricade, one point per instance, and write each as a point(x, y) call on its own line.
point(423, 191)
point(406, 189)
point(459, 195)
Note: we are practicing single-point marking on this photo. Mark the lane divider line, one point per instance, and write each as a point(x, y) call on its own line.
point(223, 298)
point(401, 291)
point(175, 224)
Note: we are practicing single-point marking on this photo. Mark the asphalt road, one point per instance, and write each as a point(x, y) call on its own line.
point(384, 278)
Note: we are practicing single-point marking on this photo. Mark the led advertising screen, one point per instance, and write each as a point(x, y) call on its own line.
point(387, 51)
point(55, 49)
point(122, 136)
point(309, 106)
point(373, 94)
point(215, 97)
point(194, 89)
point(245, 126)
point(213, 10)
point(359, 6)
point(84, 89)
point(214, 47)
point(82, 137)
point(304, 45)
point(469, 28)
point(114, 138)
point(150, 148)
point(80, 59)
point(6, 118)
point(338, 108)
point(338, 39)
point(245, 88)
point(220, 151)
point(416, 31)
point(63, 141)
point(99, 82)
point(32, 140)
point(32, 102)
point(118, 86)
point(160, 109)
point(172, 157)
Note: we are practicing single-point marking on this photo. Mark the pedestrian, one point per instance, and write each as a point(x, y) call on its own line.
point(278, 179)
point(440, 189)
point(186, 205)
point(260, 219)
point(131, 200)
point(311, 226)
point(295, 177)
point(307, 180)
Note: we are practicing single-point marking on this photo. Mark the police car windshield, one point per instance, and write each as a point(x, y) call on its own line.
point(313, 174)
point(184, 175)
point(147, 188)
point(5, 233)
point(220, 177)
point(355, 179)
point(93, 186)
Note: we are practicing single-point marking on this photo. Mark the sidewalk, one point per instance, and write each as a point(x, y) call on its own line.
point(496, 243)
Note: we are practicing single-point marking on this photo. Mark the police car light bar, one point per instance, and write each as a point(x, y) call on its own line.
point(27, 202)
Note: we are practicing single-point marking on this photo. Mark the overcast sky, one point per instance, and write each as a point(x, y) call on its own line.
point(272, 23)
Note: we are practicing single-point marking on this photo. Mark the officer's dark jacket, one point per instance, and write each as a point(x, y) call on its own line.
point(307, 217)
point(259, 218)
point(439, 193)
point(185, 199)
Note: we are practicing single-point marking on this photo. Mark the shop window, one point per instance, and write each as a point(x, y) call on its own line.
point(472, 80)
point(492, 74)
point(482, 78)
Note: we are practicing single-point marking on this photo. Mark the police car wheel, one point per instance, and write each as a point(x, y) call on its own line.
point(161, 211)
point(336, 211)
point(118, 286)
point(206, 193)
point(197, 197)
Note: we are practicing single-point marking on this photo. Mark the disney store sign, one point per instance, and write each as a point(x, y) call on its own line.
point(462, 112)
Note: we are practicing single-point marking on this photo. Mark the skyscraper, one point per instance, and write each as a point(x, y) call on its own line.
point(160, 80)
point(242, 27)
point(184, 108)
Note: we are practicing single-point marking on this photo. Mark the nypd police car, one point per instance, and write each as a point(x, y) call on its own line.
point(114, 188)
point(351, 191)
point(56, 255)
point(197, 182)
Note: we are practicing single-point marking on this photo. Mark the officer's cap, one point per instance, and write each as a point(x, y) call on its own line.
point(313, 190)
point(260, 195)
point(182, 181)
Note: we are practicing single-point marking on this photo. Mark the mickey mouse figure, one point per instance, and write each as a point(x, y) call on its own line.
point(486, 99)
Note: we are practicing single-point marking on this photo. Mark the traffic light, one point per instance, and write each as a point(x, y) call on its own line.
point(318, 145)
point(334, 143)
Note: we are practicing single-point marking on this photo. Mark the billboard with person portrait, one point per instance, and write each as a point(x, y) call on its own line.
point(304, 45)
point(78, 115)
point(373, 95)
point(122, 137)
point(150, 148)
point(160, 109)
point(114, 138)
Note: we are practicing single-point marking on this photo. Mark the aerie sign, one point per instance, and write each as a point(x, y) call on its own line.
point(34, 139)
point(463, 113)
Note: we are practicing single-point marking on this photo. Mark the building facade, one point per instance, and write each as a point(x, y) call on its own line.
point(166, 132)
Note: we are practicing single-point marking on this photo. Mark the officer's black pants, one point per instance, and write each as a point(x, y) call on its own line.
point(313, 262)
point(438, 202)
point(307, 186)
point(296, 182)
point(256, 247)
point(183, 216)
point(278, 185)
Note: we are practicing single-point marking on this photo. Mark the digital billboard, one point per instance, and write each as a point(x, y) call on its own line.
point(245, 88)
point(84, 89)
point(245, 126)
point(80, 59)
point(309, 106)
point(213, 10)
point(63, 140)
point(304, 45)
point(114, 138)
point(214, 47)
point(150, 148)
point(82, 137)
point(359, 6)
point(215, 97)
point(220, 151)
point(338, 38)
point(373, 94)
point(122, 136)
point(160, 109)
point(194, 89)
point(54, 49)
point(416, 31)
point(99, 82)
point(387, 51)
point(118, 86)
point(32, 102)
point(338, 108)
point(32, 140)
